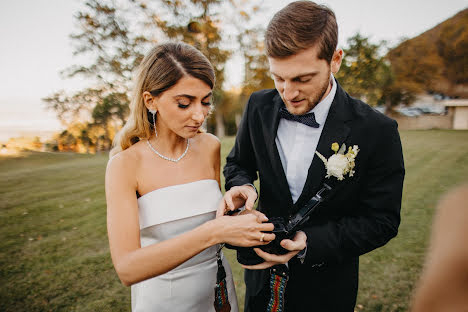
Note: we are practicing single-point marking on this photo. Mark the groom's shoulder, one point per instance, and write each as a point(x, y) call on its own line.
point(265, 93)
point(368, 115)
point(262, 97)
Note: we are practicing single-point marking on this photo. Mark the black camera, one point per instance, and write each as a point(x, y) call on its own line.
point(284, 228)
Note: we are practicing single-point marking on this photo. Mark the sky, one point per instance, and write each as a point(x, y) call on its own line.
point(36, 47)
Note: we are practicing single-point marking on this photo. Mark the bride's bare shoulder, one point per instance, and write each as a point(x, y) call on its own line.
point(126, 160)
point(208, 141)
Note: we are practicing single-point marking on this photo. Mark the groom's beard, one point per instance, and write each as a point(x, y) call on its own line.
point(314, 100)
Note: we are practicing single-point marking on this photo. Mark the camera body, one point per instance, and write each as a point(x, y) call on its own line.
point(281, 232)
point(284, 228)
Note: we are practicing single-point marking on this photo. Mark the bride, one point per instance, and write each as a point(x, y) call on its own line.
point(163, 189)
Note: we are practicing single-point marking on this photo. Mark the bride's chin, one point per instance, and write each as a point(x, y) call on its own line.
point(186, 135)
point(190, 133)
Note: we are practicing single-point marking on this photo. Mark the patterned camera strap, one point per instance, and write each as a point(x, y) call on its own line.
point(279, 275)
point(221, 302)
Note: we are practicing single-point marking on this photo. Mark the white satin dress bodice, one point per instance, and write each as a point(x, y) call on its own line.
point(164, 214)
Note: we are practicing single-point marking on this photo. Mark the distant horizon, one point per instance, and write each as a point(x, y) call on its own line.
point(44, 135)
point(28, 118)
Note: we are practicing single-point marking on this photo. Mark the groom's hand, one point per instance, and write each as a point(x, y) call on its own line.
point(295, 245)
point(237, 197)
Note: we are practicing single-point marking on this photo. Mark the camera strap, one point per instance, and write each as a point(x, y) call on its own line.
point(221, 302)
point(279, 275)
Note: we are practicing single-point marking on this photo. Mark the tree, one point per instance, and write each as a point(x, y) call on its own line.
point(110, 114)
point(256, 74)
point(86, 140)
point(116, 34)
point(416, 68)
point(434, 61)
point(66, 141)
point(256, 69)
point(364, 73)
point(452, 46)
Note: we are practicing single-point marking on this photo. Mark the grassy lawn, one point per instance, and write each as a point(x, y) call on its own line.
point(54, 254)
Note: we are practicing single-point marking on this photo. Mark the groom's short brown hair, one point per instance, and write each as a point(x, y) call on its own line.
point(301, 25)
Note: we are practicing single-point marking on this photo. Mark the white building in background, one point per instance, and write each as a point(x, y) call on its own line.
point(429, 113)
point(458, 110)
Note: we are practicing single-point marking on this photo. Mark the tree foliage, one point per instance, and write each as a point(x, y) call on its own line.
point(115, 34)
point(364, 72)
point(434, 61)
point(256, 69)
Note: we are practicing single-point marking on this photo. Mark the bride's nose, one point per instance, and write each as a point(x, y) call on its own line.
point(198, 115)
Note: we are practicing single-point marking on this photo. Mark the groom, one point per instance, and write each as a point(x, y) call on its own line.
point(280, 132)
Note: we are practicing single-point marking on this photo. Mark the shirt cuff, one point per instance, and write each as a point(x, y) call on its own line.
point(302, 255)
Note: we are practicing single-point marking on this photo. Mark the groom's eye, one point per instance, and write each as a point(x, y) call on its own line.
point(303, 79)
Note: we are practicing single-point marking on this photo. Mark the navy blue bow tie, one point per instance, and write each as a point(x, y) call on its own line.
point(307, 119)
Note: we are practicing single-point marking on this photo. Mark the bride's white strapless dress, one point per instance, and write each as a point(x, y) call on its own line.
point(165, 213)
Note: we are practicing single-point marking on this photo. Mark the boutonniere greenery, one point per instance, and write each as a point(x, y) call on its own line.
point(340, 164)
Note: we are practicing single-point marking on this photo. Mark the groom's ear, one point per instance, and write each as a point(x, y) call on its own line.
point(336, 61)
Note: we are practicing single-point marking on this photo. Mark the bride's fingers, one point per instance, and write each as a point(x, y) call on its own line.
point(257, 238)
point(260, 216)
point(221, 208)
point(228, 201)
point(265, 227)
point(267, 237)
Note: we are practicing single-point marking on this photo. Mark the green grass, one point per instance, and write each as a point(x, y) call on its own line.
point(54, 253)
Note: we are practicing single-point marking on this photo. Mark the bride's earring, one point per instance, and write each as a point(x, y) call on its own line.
point(153, 111)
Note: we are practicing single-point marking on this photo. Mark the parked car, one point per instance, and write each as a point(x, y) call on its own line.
point(409, 111)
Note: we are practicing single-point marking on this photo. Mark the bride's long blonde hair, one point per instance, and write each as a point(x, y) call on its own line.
point(160, 69)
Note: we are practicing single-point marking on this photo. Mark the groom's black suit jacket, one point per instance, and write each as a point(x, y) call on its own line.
point(362, 214)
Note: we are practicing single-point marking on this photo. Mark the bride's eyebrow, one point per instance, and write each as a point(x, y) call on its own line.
point(191, 97)
point(208, 95)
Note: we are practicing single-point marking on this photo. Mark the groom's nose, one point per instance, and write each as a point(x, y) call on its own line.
point(290, 92)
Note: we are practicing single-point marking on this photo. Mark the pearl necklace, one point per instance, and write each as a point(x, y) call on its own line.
point(168, 158)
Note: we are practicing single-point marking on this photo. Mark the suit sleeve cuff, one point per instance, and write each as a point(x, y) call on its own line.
point(250, 184)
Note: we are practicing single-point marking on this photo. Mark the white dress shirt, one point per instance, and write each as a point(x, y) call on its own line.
point(297, 143)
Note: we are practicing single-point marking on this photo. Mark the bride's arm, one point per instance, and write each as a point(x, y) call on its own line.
point(133, 263)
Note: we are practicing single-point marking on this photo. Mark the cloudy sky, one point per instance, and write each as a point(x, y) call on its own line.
point(36, 46)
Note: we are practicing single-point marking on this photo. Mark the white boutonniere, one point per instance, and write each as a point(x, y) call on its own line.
point(340, 164)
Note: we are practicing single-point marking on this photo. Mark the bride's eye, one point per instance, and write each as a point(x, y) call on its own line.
point(206, 103)
point(182, 105)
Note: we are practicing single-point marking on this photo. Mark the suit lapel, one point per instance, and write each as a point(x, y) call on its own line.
point(271, 120)
point(334, 130)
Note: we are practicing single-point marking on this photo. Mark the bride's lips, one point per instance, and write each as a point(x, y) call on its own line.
point(193, 128)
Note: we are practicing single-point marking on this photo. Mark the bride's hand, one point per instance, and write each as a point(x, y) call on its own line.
point(237, 197)
point(244, 230)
